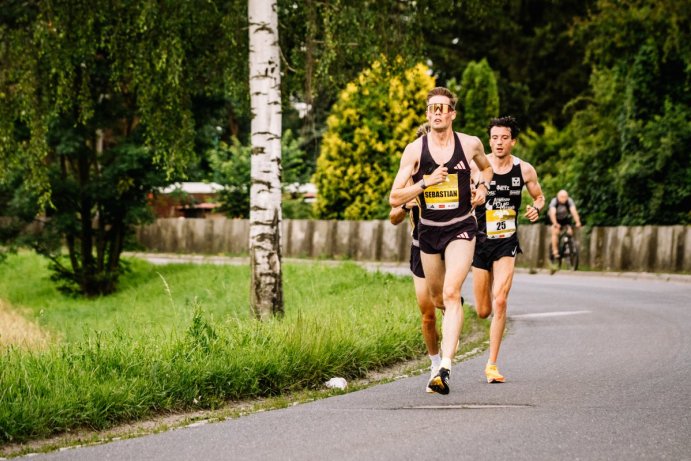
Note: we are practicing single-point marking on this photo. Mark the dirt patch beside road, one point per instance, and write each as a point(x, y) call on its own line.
point(18, 331)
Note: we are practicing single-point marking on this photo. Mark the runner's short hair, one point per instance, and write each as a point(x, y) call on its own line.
point(506, 122)
point(442, 91)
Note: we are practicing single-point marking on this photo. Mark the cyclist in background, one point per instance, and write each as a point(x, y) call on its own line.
point(561, 209)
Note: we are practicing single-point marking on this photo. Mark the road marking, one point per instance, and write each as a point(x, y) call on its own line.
point(548, 314)
point(466, 406)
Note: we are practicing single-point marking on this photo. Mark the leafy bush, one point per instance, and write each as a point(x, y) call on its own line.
point(296, 208)
point(374, 119)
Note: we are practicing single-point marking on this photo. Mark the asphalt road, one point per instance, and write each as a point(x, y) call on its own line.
point(598, 368)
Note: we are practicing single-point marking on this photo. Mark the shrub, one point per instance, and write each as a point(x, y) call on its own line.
point(374, 119)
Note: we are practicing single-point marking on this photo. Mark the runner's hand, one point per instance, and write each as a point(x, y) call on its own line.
point(478, 198)
point(531, 213)
point(438, 176)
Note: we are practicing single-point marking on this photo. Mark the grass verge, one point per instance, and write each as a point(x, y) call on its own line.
point(340, 321)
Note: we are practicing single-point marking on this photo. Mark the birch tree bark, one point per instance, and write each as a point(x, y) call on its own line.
point(265, 190)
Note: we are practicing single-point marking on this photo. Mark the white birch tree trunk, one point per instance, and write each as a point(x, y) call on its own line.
point(265, 190)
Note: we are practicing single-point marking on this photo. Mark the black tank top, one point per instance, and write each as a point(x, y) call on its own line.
point(498, 219)
point(448, 202)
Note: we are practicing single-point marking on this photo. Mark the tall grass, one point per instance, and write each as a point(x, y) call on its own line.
point(204, 349)
point(150, 299)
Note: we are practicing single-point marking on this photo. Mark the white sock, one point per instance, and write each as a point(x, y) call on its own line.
point(445, 363)
point(436, 360)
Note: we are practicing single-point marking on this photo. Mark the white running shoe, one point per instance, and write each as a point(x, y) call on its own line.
point(433, 372)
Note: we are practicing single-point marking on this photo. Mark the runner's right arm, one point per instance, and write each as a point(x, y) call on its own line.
point(403, 190)
point(397, 215)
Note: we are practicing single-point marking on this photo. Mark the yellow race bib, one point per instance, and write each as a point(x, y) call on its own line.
point(500, 223)
point(442, 196)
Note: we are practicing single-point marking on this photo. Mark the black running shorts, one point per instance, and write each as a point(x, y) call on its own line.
point(434, 240)
point(494, 249)
point(416, 262)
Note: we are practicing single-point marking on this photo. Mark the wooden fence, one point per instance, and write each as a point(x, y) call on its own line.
point(636, 248)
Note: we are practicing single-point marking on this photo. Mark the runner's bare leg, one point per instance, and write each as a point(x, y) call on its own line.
point(457, 260)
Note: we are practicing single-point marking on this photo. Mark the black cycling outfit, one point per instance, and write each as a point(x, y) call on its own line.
point(498, 218)
point(445, 210)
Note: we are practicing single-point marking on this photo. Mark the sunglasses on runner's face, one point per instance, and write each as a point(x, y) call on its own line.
point(443, 108)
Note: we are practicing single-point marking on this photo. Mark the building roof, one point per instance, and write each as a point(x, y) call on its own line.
point(199, 206)
point(193, 188)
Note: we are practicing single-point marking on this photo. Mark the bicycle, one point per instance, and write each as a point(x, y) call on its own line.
point(568, 248)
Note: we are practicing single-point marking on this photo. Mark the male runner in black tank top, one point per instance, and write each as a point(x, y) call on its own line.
point(447, 228)
point(427, 308)
point(495, 252)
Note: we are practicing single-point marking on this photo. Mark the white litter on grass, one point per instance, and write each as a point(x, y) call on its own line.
point(198, 423)
point(336, 383)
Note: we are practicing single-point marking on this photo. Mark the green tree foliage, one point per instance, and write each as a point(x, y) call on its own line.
point(231, 168)
point(478, 98)
point(230, 164)
point(539, 67)
point(96, 109)
point(630, 158)
point(624, 155)
point(327, 44)
point(375, 117)
point(548, 150)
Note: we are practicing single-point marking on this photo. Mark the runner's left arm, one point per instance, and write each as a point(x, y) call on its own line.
point(486, 173)
point(475, 173)
point(535, 191)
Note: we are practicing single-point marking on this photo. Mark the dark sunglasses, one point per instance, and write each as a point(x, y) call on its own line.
point(444, 108)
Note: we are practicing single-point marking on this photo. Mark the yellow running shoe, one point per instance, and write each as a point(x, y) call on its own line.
point(493, 375)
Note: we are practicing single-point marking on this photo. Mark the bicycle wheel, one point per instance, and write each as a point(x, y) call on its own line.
point(573, 257)
point(570, 254)
point(563, 254)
